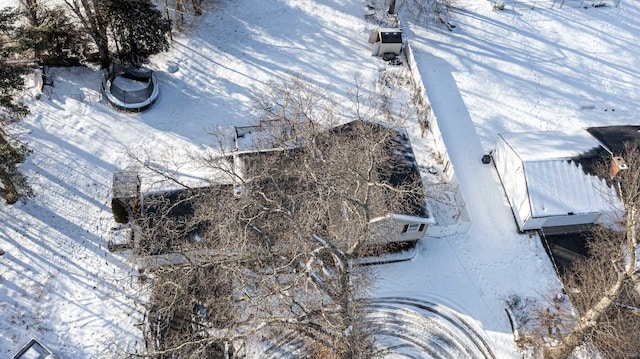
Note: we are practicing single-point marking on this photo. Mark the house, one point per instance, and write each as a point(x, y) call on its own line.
point(386, 41)
point(550, 178)
point(399, 170)
point(407, 227)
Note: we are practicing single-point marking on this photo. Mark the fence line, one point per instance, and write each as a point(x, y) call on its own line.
point(501, 4)
point(462, 221)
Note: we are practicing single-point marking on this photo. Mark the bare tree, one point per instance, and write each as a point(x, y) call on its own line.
point(425, 11)
point(95, 22)
point(283, 234)
point(180, 13)
point(604, 288)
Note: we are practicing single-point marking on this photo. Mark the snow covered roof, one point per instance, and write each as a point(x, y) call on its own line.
point(552, 145)
point(267, 135)
point(34, 349)
point(559, 170)
point(561, 187)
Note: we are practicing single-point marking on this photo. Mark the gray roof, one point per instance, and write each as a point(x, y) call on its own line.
point(615, 137)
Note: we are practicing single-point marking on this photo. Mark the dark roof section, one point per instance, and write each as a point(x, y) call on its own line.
point(590, 161)
point(402, 169)
point(391, 37)
point(615, 137)
point(167, 215)
point(564, 248)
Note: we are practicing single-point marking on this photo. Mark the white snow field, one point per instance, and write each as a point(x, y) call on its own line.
point(551, 68)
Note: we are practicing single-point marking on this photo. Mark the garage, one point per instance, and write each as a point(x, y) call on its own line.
point(549, 178)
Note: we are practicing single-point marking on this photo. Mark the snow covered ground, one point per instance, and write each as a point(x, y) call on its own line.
point(497, 71)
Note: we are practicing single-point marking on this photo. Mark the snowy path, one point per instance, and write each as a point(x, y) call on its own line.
point(492, 257)
point(503, 72)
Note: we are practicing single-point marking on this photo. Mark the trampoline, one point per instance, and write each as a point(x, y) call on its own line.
point(130, 89)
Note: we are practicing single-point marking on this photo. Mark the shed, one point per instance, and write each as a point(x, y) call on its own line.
point(386, 40)
point(549, 178)
point(125, 195)
point(34, 349)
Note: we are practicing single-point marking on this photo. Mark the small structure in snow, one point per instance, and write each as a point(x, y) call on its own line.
point(131, 89)
point(121, 238)
point(35, 350)
point(125, 195)
point(386, 40)
point(549, 178)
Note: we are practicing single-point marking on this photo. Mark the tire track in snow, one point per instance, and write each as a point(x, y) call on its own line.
point(407, 328)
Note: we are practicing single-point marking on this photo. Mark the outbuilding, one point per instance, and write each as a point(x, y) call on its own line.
point(386, 41)
point(549, 178)
point(34, 349)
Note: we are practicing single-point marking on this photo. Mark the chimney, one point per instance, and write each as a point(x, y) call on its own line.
point(617, 164)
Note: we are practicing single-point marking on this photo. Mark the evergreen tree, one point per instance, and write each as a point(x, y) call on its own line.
point(137, 28)
point(50, 34)
point(13, 184)
point(11, 80)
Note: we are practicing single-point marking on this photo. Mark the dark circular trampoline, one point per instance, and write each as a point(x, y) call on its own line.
point(131, 89)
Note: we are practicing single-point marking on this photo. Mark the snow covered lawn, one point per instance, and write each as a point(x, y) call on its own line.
point(498, 71)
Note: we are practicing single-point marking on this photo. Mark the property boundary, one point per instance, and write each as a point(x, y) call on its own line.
point(462, 222)
point(531, 4)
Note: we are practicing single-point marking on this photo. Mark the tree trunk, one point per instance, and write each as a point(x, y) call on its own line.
point(631, 240)
point(94, 24)
point(197, 7)
point(586, 322)
point(166, 10)
point(392, 7)
point(180, 9)
point(31, 13)
point(345, 281)
point(103, 51)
